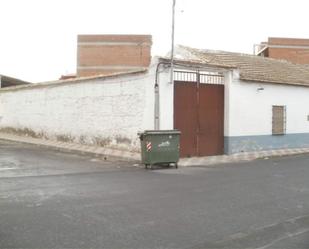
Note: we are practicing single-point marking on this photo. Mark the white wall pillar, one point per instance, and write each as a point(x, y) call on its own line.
point(166, 101)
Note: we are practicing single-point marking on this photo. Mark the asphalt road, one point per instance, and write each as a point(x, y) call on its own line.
point(51, 199)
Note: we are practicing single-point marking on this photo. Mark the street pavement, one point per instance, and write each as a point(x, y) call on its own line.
point(53, 199)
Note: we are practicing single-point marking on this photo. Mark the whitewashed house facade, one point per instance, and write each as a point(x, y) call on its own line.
point(222, 102)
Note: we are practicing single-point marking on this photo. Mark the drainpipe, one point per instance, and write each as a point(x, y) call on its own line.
point(157, 108)
point(157, 96)
point(157, 99)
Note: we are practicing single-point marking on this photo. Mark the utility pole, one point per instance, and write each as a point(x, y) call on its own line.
point(172, 50)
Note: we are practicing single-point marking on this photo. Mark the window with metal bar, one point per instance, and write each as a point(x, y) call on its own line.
point(278, 120)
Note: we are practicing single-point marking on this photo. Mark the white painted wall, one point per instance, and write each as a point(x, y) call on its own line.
point(250, 110)
point(115, 109)
point(228, 76)
point(166, 101)
point(112, 110)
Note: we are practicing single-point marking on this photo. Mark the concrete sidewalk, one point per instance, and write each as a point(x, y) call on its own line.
point(134, 156)
point(244, 156)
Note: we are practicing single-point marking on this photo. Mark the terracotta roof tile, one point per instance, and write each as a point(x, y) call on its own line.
point(251, 67)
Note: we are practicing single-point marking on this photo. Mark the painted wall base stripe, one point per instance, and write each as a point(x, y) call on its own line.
point(237, 144)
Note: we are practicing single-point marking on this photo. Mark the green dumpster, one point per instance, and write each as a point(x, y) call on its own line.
point(159, 147)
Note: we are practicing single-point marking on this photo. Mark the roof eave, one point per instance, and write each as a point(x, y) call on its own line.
point(14, 81)
point(73, 81)
point(273, 82)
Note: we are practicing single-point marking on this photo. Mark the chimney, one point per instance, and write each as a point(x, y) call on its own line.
point(107, 54)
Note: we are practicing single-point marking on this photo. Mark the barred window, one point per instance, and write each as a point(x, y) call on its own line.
point(279, 120)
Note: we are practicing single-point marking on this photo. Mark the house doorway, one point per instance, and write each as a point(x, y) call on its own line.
point(199, 113)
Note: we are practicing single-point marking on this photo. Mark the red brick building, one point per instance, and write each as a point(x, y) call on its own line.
point(106, 54)
point(294, 50)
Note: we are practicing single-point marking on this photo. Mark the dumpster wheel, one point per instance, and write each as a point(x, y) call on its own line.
point(148, 165)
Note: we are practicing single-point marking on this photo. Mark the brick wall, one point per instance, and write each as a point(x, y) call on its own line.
point(299, 56)
point(291, 49)
point(288, 41)
point(106, 54)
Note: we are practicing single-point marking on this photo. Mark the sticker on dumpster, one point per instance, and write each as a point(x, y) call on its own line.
point(164, 144)
point(148, 146)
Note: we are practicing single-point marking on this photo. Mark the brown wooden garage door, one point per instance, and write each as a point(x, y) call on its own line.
point(199, 115)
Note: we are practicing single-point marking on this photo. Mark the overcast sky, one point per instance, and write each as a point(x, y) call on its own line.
point(38, 37)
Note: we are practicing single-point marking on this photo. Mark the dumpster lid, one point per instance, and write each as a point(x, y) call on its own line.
point(159, 132)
